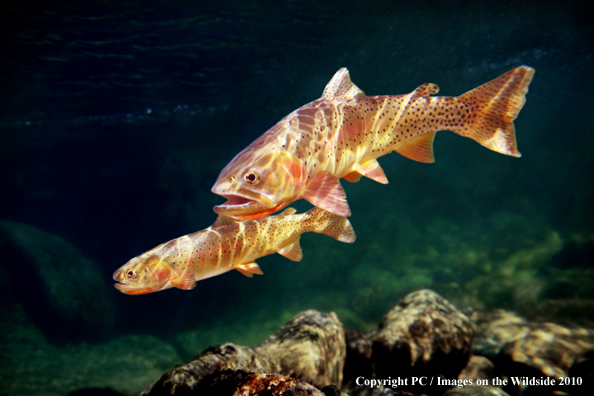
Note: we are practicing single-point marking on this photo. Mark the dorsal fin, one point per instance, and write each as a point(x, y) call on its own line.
point(341, 87)
point(420, 148)
point(221, 220)
point(292, 251)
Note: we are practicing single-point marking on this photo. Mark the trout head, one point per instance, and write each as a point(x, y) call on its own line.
point(143, 274)
point(257, 184)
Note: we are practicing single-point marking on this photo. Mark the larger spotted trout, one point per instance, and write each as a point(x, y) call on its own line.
point(342, 134)
point(226, 245)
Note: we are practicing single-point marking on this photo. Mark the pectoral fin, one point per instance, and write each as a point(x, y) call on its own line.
point(419, 149)
point(324, 190)
point(222, 221)
point(292, 251)
point(370, 169)
point(185, 281)
point(249, 269)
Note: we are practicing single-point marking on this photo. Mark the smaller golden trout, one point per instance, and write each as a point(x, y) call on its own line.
point(225, 246)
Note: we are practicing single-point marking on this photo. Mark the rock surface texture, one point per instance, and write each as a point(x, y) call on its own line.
point(422, 336)
point(310, 347)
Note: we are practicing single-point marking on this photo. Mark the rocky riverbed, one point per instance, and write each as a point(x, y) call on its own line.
point(423, 345)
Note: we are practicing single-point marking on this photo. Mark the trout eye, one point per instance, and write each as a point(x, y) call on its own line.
point(252, 177)
point(131, 274)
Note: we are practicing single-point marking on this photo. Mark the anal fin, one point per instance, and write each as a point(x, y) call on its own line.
point(292, 251)
point(324, 190)
point(249, 269)
point(420, 148)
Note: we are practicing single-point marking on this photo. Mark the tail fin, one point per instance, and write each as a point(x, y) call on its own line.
point(497, 104)
point(333, 225)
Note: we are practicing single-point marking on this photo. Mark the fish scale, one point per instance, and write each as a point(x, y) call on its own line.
point(342, 134)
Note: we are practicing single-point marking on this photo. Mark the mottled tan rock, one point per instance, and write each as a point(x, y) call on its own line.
point(422, 335)
point(188, 377)
point(548, 348)
point(476, 390)
point(311, 346)
point(243, 383)
point(494, 328)
point(478, 367)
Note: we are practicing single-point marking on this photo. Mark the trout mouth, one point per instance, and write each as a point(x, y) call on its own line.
point(241, 208)
point(132, 290)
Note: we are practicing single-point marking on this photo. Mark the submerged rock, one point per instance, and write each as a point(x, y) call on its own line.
point(583, 368)
point(476, 390)
point(358, 357)
point(423, 335)
point(495, 328)
point(478, 368)
point(227, 357)
point(549, 348)
point(310, 347)
point(69, 289)
point(236, 383)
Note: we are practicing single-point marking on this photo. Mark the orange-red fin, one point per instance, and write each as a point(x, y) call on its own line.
point(292, 251)
point(249, 269)
point(370, 169)
point(185, 281)
point(420, 148)
point(353, 177)
point(497, 105)
point(324, 190)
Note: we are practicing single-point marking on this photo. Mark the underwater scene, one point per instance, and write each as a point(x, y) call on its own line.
point(475, 271)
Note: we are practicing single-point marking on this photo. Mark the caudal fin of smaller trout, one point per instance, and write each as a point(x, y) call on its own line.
point(497, 104)
point(333, 225)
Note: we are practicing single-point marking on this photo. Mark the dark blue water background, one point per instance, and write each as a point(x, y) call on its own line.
point(116, 118)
